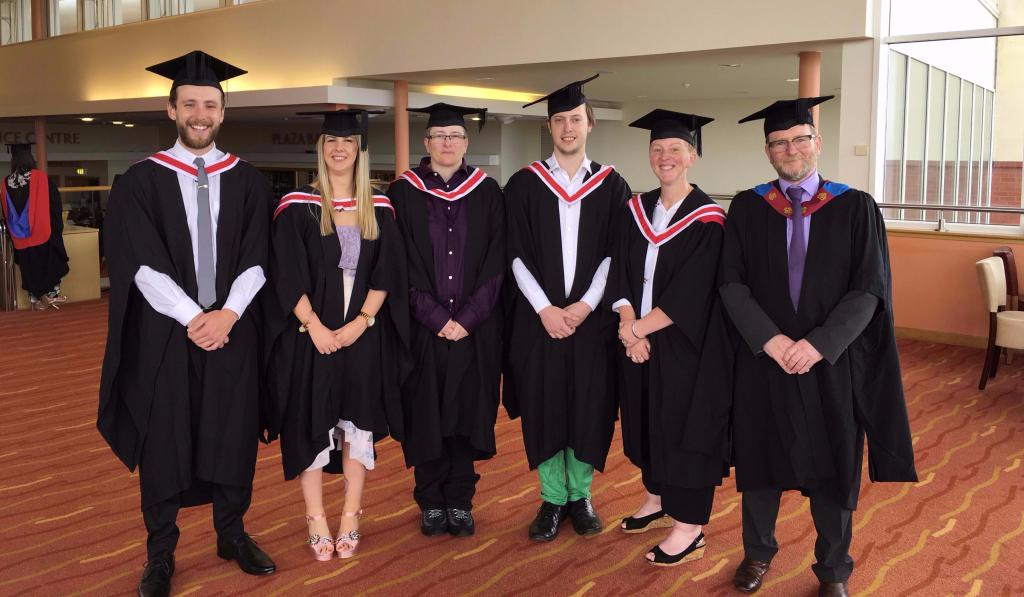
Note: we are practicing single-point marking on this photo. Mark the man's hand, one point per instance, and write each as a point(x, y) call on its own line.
point(347, 334)
point(554, 321)
point(800, 357)
point(457, 332)
point(640, 351)
point(776, 348)
point(209, 331)
point(577, 313)
point(448, 329)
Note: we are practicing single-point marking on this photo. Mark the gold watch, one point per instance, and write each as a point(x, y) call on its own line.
point(370, 319)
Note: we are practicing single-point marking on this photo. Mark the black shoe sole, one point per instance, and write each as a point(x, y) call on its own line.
point(434, 532)
point(463, 532)
point(588, 532)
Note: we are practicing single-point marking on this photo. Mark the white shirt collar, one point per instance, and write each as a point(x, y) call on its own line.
point(180, 153)
point(670, 212)
point(553, 165)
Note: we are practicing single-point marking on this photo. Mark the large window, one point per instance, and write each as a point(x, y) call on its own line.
point(69, 16)
point(15, 21)
point(954, 130)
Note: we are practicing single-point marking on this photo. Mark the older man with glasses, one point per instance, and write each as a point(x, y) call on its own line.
point(806, 280)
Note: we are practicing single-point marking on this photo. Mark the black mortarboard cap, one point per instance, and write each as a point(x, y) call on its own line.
point(196, 68)
point(442, 114)
point(666, 124)
point(785, 114)
point(344, 123)
point(566, 98)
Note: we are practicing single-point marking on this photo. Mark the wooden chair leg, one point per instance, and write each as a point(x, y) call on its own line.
point(991, 355)
point(995, 362)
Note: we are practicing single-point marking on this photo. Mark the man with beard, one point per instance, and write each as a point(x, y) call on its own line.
point(559, 375)
point(187, 235)
point(806, 280)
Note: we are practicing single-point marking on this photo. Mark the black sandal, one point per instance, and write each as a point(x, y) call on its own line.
point(694, 552)
point(658, 520)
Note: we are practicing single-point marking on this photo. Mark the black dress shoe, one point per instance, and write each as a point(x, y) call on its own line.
point(749, 575)
point(249, 556)
point(545, 525)
point(695, 551)
point(833, 589)
point(584, 519)
point(460, 522)
point(156, 578)
point(433, 522)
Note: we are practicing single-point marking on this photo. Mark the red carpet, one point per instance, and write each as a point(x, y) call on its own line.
point(70, 524)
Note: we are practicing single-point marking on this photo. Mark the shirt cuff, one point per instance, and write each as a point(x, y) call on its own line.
point(244, 289)
point(621, 303)
point(185, 311)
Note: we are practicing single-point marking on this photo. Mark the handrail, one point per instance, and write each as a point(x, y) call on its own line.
point(938, 207)
point(83, 189)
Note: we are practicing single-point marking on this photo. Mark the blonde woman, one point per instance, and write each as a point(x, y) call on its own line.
point(338, 337)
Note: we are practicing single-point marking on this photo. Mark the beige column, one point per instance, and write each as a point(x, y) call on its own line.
point(401, 127)
point(810, 77)
point(40, 28)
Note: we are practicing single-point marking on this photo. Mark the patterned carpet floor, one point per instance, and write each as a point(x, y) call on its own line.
point(70, 521)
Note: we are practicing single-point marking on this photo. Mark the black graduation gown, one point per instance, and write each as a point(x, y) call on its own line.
point(675, 407)
point(310, 392)
point(144, 410)
point(563, 389)
point(42, 266)
point(807, 431)
point(463, 399)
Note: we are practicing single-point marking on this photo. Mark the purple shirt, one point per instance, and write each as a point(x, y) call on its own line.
point(810, 187)
point(448, 226)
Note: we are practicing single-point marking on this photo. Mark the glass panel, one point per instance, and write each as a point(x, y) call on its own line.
point(932, 16)
point(67, 16)
point(936, 137)
point(963, 186)
point(131, 11)
point(198, 5)
point(977, 151)
point(917, 98)
point(950, 149)
point(15, 21)
point(91, 18)
point(894, 130)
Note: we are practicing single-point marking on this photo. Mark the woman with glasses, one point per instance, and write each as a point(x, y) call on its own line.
point(674, 371)
point(338, 337)
point(452, 219)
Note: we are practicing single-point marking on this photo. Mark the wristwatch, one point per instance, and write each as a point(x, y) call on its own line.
point(370, 319)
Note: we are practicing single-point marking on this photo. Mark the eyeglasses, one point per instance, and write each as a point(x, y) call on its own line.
point(802, 142)
point(439, 138)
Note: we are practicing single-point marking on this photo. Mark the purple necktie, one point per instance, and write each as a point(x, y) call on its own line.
point(797, 246)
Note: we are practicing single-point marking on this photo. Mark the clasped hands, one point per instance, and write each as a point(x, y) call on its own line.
point(561, 323)
point(453, 331)
point(328, 341)
point(209, 330)
point(793, 356)
point(637, 349)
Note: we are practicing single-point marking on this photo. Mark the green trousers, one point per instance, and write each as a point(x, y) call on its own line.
point(564, 479)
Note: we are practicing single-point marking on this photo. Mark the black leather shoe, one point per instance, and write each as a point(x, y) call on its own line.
point(156, 578)
point(584, 519)
point(433, 522)
point(249, 556)
point(749, 575)
point(833, 589)
point(460, 522)
point(545, 525)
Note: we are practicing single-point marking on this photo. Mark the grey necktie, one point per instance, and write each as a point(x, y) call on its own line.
point(205, 275)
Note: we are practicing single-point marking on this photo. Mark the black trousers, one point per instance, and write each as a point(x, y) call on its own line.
point(229, 506)
point(683, 504)
point(448, 481)
point(833, 522)
point(230, 503)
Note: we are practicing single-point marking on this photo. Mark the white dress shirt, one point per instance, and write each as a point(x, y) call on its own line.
point(569, 221)
point(160, 291)
point(659, 223)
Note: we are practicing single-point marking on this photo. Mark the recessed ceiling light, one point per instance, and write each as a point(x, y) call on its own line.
point(87, 119)
point(475, 118)
point(686, 85)
point(119, 122)
point(128, 125)
point(731, 65)
point(794, 80)
point(484, 79)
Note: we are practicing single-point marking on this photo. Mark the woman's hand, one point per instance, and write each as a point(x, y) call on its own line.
point(323, 338)
point(626, 335)
point(348, 334)
point(640, 351)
